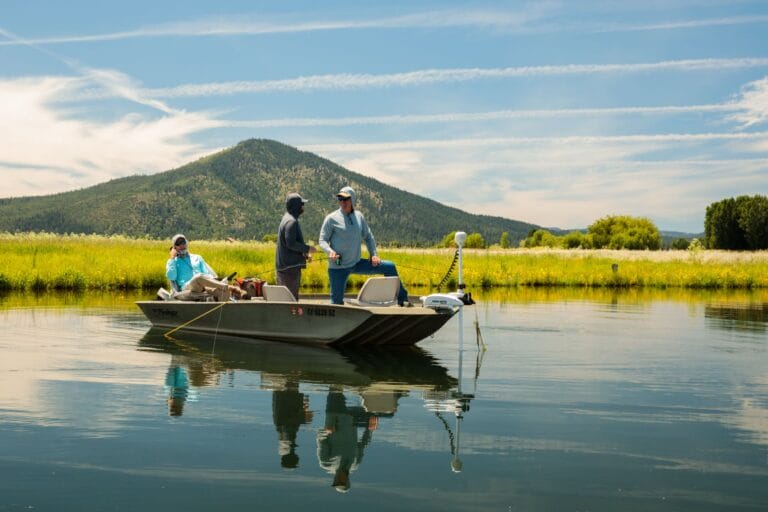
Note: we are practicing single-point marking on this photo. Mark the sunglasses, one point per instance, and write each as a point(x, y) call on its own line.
point(343, 198)
point(179, 242)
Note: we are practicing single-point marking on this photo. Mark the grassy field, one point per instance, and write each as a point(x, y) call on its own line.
point(88, 262)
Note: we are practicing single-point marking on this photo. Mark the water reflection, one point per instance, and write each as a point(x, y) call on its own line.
point(290, 410)
point(591, 405)
point(177, 384)
point(751, 317)
point(363, 387)
point(338, 448)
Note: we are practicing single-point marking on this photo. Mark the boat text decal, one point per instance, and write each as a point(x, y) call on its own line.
point(165, 312)
point(321, 311)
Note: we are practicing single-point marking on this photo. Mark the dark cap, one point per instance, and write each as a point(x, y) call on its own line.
point(295, 196)
point(294, 202)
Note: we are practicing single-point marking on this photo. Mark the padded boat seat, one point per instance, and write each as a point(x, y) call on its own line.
point(378, 291)
point(277, 293)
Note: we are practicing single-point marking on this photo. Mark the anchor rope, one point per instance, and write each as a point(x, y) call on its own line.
point(168, 334)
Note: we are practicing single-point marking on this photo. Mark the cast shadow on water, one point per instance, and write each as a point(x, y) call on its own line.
point(378, 376)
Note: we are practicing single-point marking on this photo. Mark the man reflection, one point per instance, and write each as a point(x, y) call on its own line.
point(184, 371)
point(177, 386)
point(338, 450)
point(290, 410)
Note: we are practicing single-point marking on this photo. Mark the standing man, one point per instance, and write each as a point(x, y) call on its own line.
point(342, 233)
point(292, 253)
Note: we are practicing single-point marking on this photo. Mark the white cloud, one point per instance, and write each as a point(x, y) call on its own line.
point(46, 149)
point(567, 181)
point(753, 102)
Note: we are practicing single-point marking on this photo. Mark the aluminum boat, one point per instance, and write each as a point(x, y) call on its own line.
point(371, 318)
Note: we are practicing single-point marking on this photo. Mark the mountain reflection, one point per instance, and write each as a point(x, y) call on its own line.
point(363, 387)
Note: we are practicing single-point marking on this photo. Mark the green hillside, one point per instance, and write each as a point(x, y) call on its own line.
point(239, 193)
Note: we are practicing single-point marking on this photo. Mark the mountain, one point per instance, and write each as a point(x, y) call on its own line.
point(240, 193)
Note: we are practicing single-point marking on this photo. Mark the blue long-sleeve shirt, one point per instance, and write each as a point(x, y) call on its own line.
point(180, 270)
point(344, 234)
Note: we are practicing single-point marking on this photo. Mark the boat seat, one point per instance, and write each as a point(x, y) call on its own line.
point(277, 293)
point(378, 291)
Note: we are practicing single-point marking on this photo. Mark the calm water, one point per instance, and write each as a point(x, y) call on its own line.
point(582, 401)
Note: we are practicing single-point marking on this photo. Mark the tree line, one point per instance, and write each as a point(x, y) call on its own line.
point(610, 232)
point(739, 223)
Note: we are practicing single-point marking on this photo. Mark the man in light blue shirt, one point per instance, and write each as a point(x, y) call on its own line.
point(189, 273)
point(341, 236)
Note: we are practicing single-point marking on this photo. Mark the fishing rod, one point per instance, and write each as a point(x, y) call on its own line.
point(442, 283)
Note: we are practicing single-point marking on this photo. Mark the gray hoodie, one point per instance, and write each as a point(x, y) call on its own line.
point(344, 233)
point(290, 241)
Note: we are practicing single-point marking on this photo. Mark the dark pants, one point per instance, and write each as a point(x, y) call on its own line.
point(291, 278)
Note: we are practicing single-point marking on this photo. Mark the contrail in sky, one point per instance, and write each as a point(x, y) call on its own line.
point(477, 116)
point(501, 141)
point(534, 19)
point(346, 81)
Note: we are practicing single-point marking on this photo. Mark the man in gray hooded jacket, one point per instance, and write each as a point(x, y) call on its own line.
point(292, 252)
point(343, 231)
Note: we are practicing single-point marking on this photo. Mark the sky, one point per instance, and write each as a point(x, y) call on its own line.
point(555, 113)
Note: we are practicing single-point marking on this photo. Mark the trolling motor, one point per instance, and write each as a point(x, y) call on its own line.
point(457, 298)
point(465, 298)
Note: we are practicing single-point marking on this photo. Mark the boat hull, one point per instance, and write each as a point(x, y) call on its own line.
point(300, 322)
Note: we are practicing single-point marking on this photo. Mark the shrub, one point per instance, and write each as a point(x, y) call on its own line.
point(625, 232)
point(475, 241)
point(542, 238)
point(573, 240)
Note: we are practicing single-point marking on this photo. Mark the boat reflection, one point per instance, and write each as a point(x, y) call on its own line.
point(363, 387)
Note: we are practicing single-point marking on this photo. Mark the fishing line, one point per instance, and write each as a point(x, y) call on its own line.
point(443, 281)
point(216, 332)
point(479, 339)
point(419, 269)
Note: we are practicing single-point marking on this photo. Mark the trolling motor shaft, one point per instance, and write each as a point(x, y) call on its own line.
point(466, 298)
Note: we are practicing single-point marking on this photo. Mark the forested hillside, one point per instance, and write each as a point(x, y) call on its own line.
point(239, 193)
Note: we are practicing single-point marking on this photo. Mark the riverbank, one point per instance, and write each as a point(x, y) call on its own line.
point(91, 262)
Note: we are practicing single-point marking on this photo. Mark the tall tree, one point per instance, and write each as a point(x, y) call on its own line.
point(739, 223)
point(504, 240)
point(753, 221)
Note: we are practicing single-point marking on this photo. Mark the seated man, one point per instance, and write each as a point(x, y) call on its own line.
point(190, 274)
